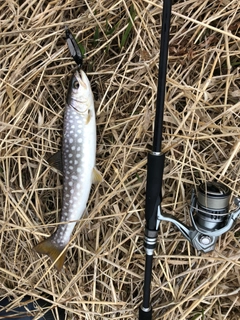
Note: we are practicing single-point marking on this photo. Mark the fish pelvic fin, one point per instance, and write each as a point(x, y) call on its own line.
point(54, 252)
point(96, 176)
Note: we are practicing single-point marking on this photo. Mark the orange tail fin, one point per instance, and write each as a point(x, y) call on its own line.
point(48, 247)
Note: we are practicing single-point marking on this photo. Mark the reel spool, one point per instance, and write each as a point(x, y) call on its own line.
point(212, 205)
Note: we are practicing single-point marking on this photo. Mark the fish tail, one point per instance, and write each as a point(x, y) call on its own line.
point(49, 248)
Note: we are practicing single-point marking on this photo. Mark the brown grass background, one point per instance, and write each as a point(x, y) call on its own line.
point(103, 273)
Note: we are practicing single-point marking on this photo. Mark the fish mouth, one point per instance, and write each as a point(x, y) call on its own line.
point(80, 76)
point(77, 92)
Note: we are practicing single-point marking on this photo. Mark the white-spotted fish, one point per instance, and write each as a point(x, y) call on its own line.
point(78, 164)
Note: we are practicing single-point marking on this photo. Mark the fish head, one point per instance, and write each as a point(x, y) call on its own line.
point(79, 92)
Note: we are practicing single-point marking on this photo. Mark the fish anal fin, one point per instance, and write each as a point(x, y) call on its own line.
point(55, 253)
point(96, 176)
point(56, 160)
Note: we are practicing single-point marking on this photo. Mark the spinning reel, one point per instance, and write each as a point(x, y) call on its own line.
point(210, 216)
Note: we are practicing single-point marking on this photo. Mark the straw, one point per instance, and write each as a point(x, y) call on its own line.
point(103, 274)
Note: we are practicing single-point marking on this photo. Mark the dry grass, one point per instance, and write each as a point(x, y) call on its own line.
point(103, 274)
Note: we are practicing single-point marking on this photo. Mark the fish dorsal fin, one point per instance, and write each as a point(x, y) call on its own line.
point(48, 247)
point(56, 160)
point(96, 176)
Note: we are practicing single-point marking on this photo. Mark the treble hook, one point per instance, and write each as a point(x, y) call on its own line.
point(74, 48)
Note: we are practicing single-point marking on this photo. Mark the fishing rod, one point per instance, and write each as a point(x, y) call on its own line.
point(209, 208)
point(155, 167)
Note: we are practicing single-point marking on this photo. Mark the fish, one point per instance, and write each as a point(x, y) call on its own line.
point(77, 162)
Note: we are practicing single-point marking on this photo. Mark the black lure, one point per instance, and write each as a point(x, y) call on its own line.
point(74, 48)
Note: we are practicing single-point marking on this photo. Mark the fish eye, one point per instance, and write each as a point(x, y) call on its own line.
point(76, 85)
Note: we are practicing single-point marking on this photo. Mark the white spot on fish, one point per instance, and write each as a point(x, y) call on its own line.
point(71, 140)
point(78, 169)
point(70, 167)
point(75, 162)
point(80, 140)
point(73, 148)
point(70, 183)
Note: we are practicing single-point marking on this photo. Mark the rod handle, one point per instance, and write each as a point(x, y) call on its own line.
point(155, 167)
point(145, 315)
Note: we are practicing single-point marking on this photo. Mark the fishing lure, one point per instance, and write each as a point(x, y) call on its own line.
point(74, 48)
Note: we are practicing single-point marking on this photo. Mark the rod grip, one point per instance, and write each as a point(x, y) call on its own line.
point(154, 188)
point(145, 315)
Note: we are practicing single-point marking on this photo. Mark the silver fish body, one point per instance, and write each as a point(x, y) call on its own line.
point(78, 163)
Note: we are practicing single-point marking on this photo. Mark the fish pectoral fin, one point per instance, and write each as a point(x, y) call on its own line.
point(56, 160)
point(88, 116)
point(96, 176)
point(49, 248)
